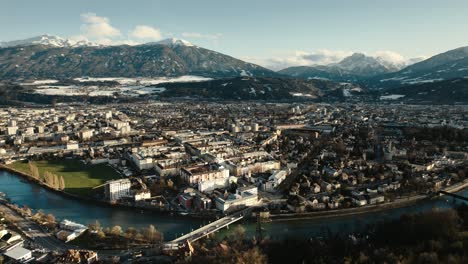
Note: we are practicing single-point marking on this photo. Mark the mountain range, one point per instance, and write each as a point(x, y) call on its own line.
point(374, 73)
point(53, 57)
point(48, 40)
point(351, 69)
point(445, 66)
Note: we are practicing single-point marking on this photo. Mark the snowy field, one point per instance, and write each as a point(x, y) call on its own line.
point(391, 97)
point(145, 81)
point(126, 87)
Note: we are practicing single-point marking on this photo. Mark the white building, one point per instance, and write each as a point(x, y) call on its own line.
point(142, 195)
point(117, 189)
point(70, 230)
point(276, 178)
point(86, 134)
point(244, 197)
point(142, 163)
point(72, 146)
point(29, 131)
point(206, 177)
point(11, 130)
point(19, 254)
point(117, 124)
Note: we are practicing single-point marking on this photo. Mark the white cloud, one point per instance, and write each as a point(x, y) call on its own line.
point(200, 35)
point(300, 58)
point(325, 57)
point(98, 29)
point(417, 59)
point(390, 56)
point(146, 32)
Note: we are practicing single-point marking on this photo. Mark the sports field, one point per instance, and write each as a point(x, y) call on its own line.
point(79, 178)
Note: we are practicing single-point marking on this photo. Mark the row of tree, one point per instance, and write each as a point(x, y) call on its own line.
point(54, 181)
point(147, 235)
point(50, 179)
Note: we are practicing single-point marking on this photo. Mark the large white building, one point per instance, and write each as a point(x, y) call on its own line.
point(117, 189)
point(11, 130)
point(206, 177)
point(244, 197)
point(142, 163)
point(86, 134)
point(19, 254)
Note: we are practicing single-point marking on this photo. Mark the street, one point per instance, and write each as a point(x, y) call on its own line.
point(34, 231)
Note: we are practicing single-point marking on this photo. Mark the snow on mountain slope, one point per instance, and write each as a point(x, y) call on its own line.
point(47, 40)
point(172, 42)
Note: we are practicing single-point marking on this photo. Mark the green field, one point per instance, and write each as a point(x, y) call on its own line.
point(79, 178)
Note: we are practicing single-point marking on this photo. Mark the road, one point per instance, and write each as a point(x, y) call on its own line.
point(34, 231)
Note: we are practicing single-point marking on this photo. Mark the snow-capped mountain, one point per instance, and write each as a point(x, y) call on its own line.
point(172, 42)
point(354, 68)
point(362, 65)
point(60, 58)
point(448, 65)
point(48, 40)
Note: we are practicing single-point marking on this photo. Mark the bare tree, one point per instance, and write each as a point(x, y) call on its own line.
point(116, 230)
point(153, 235)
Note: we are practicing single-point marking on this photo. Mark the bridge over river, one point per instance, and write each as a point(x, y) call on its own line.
point(206, 230)
point(454, 195)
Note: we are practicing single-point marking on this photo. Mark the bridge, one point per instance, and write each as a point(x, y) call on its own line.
point(454, 195)
point(205, 231)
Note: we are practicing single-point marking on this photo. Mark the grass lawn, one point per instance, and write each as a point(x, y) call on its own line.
point(79, 178)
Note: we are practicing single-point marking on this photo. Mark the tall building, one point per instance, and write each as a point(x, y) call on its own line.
point(117, 189)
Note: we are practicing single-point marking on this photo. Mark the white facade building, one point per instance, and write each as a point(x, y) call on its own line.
point(244, 197)
point(118, 189)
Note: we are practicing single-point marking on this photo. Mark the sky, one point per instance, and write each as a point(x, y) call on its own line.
point(274, 34)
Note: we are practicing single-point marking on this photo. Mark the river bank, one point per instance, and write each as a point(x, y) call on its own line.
point(28, 177)
point(399, 203)
point(22, 192)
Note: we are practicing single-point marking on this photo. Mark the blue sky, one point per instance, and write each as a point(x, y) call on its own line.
point(273, 33)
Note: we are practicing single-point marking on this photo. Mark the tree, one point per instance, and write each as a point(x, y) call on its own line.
point(50, 218)
point(39, 215)
point(101, 234)
point(48, 178)
point(116, 230)
point(96, 226)
point(62, 236)
point(253, 256)
point(61, 183)
point(55, 182)
point(27, 210)
point(131, 233)
point(34, 171)
point(153, 235)
point(238, 234)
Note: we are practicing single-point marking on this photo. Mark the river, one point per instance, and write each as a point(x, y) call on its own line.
point(22, 192)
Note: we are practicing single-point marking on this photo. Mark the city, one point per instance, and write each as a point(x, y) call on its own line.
point(123, 142)
point(210, 160)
